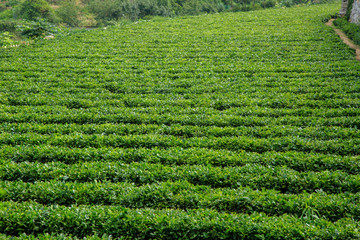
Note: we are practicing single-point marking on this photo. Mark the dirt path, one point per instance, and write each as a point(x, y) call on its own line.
point(345, 39)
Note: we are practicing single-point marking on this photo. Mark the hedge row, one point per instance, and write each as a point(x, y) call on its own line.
point(254, 176)
point(32, 218)
point(53, 236)
point(280, 144)
point(318, 132)
point(180, 107)
point(218, 102)
point(183, 195)
point(181, 156)
point(131, 117)
point(190, 83)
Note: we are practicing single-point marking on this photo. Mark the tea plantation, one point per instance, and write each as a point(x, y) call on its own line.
point(222, 126)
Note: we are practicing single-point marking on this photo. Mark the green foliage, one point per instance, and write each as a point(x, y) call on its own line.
point(352, 30)
point(111, 9)
point(9, 26)
point(2, 7)
point(53, 236)
point(348, 10)
point(12, 3)
point(105, 12)
point(268, 4)
point(165, 224)
point(193, 7)
point(6, 39)
point(7, 5)
point(34, 9)
point(6, 15)
point(254, 176)
point(69, 13)
point(36, 29)
point(185, 196)
point(178, 156)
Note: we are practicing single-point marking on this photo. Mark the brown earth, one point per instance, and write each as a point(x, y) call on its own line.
point(345, 39)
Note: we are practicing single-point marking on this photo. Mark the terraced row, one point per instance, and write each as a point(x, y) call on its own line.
point(183, 195)
point(254, 176)
point(173, 156)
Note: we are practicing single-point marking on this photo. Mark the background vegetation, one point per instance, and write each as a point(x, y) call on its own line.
point(92, 12)
point(28, 19)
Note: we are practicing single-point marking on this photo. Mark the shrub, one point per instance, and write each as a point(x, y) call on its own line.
point(2, 7)
point(268, 4)
point(7, 14)
point(110, 9)
point(9, 26)
point(286, 3)
point(33, 9)
point(150, 8)
point(36, 28)
point(241, 8)
point(6, 39)
point(12, 3)
point(105, 10)
point(69, 13)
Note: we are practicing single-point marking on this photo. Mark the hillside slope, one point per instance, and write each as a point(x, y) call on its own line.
point(225, 126)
